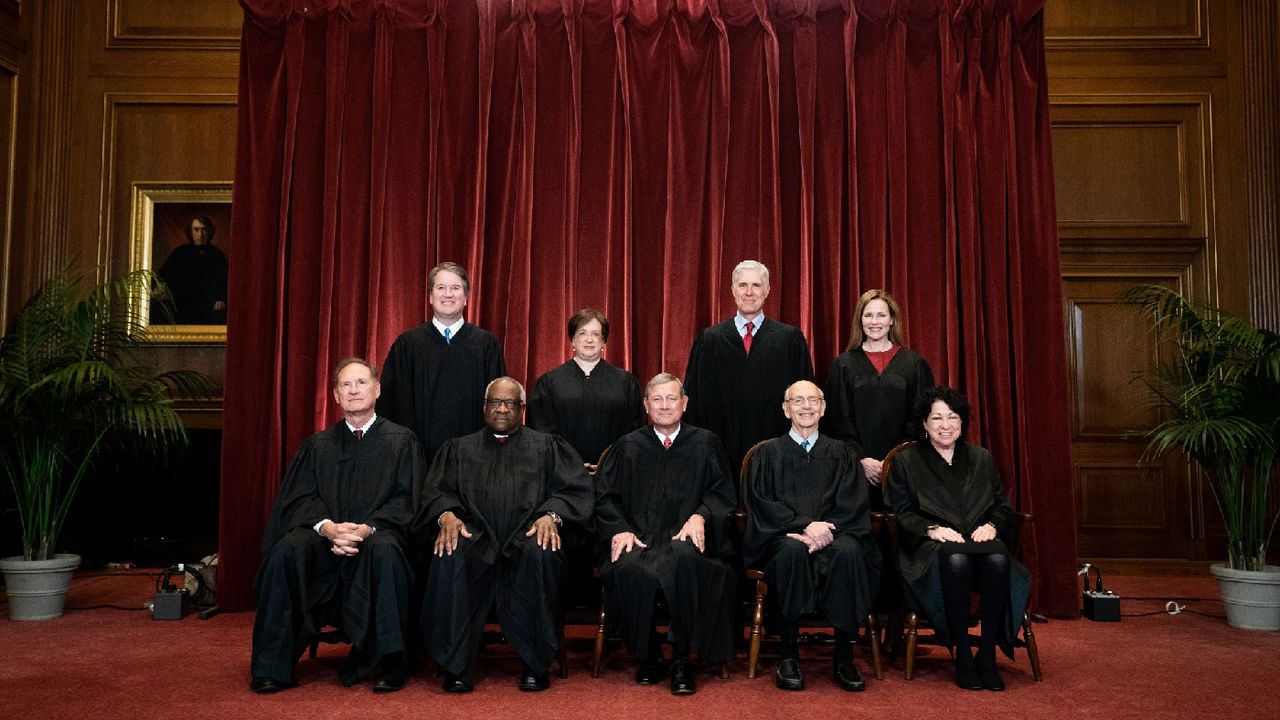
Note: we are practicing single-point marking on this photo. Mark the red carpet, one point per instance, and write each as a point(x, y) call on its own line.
point(107, 663)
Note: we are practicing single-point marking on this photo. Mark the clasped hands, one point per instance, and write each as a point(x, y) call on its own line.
point(694, 530)
point(942, 533)
point(345, 537)
point(817, 535)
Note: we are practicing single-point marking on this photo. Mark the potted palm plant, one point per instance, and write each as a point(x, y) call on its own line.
point(73, 385)
point(1220, 393)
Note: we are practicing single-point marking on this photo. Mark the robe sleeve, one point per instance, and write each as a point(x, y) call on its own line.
point(719, 499)
point(635, 400)
point(407, 467)
point(398, 392)
point(1001, 514)
point(541, 413)
point(569, 492)
point(610, 518)
point(803, 359)
point(770, 517)
point(851, 508)
point(923, 381)
point(838, 422)
point(299, 503)
point(495, 361)
point(913, 528)
point(440, 493)
point(693, 381)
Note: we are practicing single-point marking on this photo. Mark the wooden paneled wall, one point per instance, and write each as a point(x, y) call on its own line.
point(1162, 129)
point(1164, 120)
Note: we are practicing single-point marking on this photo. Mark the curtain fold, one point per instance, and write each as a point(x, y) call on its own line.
point(625, 154)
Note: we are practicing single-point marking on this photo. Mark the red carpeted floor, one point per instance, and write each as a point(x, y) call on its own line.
point(109, 663)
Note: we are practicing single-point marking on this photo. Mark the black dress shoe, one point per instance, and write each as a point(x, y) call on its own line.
point(967, 676)
point(393, 675)
point(990, 676)
point(455, 684)
point(787, 676)
point(651, 671)
point(531, 681)
point(846, 675)
point(682, 682)
point(265, 686)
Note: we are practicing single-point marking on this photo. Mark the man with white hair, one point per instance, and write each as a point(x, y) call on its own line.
point(739, 368)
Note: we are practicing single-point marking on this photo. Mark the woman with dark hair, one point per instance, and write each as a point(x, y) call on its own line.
point(955, 530)
point(587, 401)
point(873, 385)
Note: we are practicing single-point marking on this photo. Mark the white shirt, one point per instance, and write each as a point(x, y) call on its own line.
point(741, 322)
point(812, 439)
point(453, 329)
point(662, 437)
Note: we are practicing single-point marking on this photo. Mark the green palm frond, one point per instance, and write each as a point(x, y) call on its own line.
point(75, 382)
point(1220, 395)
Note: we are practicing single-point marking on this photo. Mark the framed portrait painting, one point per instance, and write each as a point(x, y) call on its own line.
point(182, 232)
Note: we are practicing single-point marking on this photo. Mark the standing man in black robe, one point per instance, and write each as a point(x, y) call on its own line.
point(435, 373)
point(809, 525)
point(334, 548)
point(195, 276)
point(499, 498)
point(739, 368)
point(663, 494)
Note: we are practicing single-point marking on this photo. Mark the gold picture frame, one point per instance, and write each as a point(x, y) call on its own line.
point(163, 213)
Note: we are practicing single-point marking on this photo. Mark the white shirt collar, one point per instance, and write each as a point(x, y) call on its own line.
point(362, 428)
point(453, 329)
point(741, 322)
point(586, 367)
point(673, 435)
point(813, 439)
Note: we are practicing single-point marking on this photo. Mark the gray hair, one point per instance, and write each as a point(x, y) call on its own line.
point(504, 379)
point(663, 378)
point(755, 265)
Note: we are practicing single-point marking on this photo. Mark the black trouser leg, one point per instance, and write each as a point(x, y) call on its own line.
point(956, 571)
point(994, 587)
point(844, 646)
point(789, 639)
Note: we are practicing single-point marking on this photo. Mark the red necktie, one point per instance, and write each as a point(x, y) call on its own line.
point(358, 433)
point(666, 442)
point(746, 338)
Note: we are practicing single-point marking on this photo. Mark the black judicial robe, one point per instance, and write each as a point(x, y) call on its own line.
point(302, 585)
point(196, 276)
point(651, 491)
point(590, 411)
point(739, 396)
point(436, 388)
point(924, 490)
point(786, 490)
point(499, 490)
point(871, 410)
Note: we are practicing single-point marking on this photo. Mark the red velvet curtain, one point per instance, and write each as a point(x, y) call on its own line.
point(625, 155)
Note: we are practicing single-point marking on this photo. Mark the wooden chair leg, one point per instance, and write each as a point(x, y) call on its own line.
point(873, 634)
point(911, 644)
point(599, 653)
point(757, 629)
point(1033, 651)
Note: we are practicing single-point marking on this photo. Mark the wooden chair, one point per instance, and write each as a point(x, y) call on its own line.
point(756, 576)
point(913, 621)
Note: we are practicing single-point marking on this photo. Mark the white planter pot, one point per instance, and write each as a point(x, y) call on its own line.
point(1250, 597)
point(37, 588)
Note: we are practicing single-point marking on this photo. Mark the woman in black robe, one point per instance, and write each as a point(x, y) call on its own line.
point(873, 386)
point(956, 528)
point(587, 401)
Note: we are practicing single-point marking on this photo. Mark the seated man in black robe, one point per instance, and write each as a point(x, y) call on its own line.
point(808, 524)
point(663, 495)
point(334, 547)
point(499, 498)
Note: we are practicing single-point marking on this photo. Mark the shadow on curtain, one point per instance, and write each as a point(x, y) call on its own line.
point(626, 155)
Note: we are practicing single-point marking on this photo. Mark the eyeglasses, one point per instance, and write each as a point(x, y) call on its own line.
point(508, 404)
point(589, 334)
point(807, 400)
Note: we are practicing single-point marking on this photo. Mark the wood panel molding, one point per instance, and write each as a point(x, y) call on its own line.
point(9, 83)
point(1118, 496)
point(163, 24)
point(1132, 166)
point(1261, 110)
point(1126, 24)
point(116, 184)
point(53, 77)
